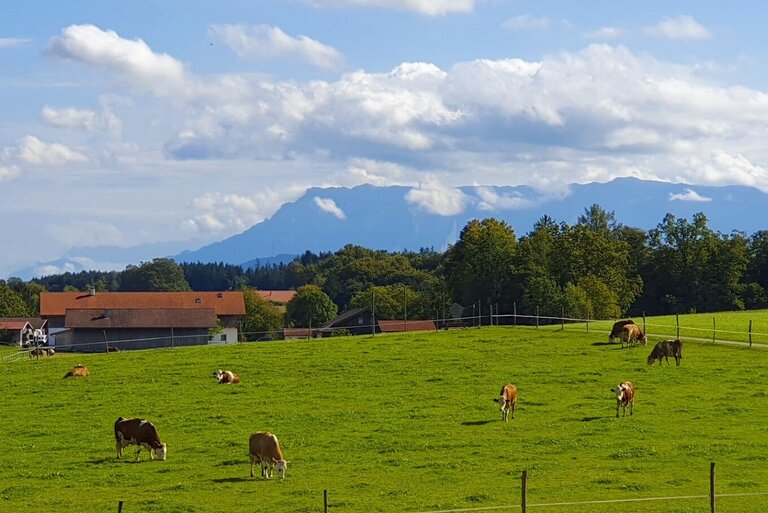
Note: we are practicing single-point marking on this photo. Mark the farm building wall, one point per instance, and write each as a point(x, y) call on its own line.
point(96, 340)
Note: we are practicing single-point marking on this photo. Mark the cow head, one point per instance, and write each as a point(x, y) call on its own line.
point(280, 466)
point(651, 359)
point(217, 374)
point(161, 452)
point(502, 402)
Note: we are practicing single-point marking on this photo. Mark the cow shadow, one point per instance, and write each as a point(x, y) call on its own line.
point(604, 343)
point(590, 419)
point(477, 422)
point(101, 461)
point(233, 479)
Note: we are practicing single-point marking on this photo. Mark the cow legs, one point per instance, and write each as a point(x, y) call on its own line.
point(119, 447)
point(253, 460)
point(514, 405)
point(504, 413)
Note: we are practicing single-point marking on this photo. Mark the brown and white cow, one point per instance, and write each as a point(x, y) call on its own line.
point(264, 448)
point(631, 334)
point(665, 349)
point(625, 396)
point(225, 377)
point(618, 326)
point(507, 400)
point(42, 351)
point(78, 371)
point(141, 433)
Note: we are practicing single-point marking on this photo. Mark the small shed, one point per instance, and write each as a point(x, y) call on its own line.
point(357, 321)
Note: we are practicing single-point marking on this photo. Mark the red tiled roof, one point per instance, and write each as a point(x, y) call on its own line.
point(398, 326)
point(12, 324)
point(277, 296)
point(54, 304)
point(140, 318)
point(297, 332)
point(34, 322)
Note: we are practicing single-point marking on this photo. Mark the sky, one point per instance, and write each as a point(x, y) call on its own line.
point(129, 123)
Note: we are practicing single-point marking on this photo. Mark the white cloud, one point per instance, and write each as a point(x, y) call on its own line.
point(436, 198)
point(373, 172)
point(680, 27)
point(632, 136)
point(526, 22)
point(492, 200)
point(81, 119)
point(8, 171)
point(33, 151)
point(329, 206)
point(85, 233)
point(10, 42)
point(132, 60)
point(429, 7)
point(266, 42)
point(604, 33)
point(231, 213)
point(688, 195)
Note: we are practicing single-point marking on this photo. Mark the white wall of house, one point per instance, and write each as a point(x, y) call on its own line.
point(227, 336)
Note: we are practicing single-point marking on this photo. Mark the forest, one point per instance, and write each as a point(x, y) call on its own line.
point(596, 268)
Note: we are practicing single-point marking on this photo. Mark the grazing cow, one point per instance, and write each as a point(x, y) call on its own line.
point(631, 333)
point(225, 377)
point(618, 326)
point(42, 351)
point(625, 396)
point(78, 371)
point(665, 349)
point(264, 448)
point(141, 433)
point(507, 400)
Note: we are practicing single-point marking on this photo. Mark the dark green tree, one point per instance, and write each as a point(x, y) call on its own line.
point(161, 274)
point(262, 318)
point(310, 307)
point(12, 304)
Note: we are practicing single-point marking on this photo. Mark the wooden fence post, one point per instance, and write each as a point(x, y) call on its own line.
point(325, 501)
point(587, 325)
point(712, 506)
point(514, 313)
point(524, 492)
point(537, 316)
point(750, 333)
point(645, 326)
point(562, 318)
point(714, 330)
point(677, 322)
point(119, 506)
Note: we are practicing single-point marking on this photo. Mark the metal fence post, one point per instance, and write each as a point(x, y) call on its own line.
point(714, 330)
point(750, 333)
point(514, 313)
point(645, 327)
point(325, 501)
point(537, 316)
point(677, 322)
point(562, 318)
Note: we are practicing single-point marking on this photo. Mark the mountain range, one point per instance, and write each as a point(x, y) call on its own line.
point(395, 218)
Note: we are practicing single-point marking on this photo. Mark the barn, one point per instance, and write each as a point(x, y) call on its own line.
point(100, 321)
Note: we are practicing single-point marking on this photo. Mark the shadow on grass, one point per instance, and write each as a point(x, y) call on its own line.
point(605, 344)
point(477, 422)
point(101, 461)
point(590, 419)
point(234, 479)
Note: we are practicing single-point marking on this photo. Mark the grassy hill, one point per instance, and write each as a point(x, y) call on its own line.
point(390, 423)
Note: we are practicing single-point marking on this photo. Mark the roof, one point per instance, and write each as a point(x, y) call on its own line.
point(145, 318)
point(277, 296)
point(17, 323)
point(399, 326)
point(344, 316)
point(6, 324)
point(56, 304)
point(297, 332)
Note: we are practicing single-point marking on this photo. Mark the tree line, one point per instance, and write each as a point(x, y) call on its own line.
point(595, 268)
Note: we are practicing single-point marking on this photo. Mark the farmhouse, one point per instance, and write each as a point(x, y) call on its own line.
point(20, 331)
point(104, 321)
point(356, 321)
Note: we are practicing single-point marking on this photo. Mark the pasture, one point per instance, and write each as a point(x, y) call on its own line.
point(396, 423)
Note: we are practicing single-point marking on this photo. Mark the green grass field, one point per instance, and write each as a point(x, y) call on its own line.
point(398, 423)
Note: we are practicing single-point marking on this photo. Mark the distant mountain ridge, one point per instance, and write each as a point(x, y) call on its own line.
point(388, 218)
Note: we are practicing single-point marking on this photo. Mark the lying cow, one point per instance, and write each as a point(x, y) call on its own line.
point(618, 326)
point(625, 396)
point(42, 351)
point(78, 371)
point(507, 400)
point(264, 448)
point(631, 334)
point(665, 349)
point(225, 377)
point(141, 433)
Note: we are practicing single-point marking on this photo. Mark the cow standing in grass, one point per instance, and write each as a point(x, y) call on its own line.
point(507, 400)
point(618, 326)
point(141, 433)
point(665, 349)
point(631, 334)
point(264, 448)
point(625, 396)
